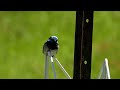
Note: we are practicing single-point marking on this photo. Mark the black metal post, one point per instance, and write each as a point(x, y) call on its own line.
point(83, 45)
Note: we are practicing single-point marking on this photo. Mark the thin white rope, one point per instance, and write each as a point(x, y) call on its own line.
point(53, 67)
point(67, 75)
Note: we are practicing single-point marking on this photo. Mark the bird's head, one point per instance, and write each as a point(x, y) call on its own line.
point(53, 39)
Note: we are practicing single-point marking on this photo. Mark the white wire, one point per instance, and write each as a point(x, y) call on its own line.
point(67, 75)
point(53, 67)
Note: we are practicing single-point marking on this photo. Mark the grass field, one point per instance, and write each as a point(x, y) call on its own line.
point(23, 33)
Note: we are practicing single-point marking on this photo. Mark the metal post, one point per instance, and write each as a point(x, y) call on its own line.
point(46, 66)
point(83, 45)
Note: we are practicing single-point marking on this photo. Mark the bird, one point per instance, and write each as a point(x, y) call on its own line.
point(51, 45)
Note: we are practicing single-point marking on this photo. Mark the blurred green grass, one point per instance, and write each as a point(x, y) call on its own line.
point(106, 40)
point(23, 33)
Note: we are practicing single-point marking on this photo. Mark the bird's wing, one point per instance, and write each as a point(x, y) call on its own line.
point(44, 47)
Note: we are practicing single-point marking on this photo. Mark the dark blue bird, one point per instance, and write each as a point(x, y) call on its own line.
point(51, 45)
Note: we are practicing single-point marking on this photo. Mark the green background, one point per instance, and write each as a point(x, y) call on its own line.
point(23, 33)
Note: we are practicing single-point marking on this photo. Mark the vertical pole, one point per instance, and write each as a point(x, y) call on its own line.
point(46, 66)
point(53, 68)
point(77, 48)
point(83, 45)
